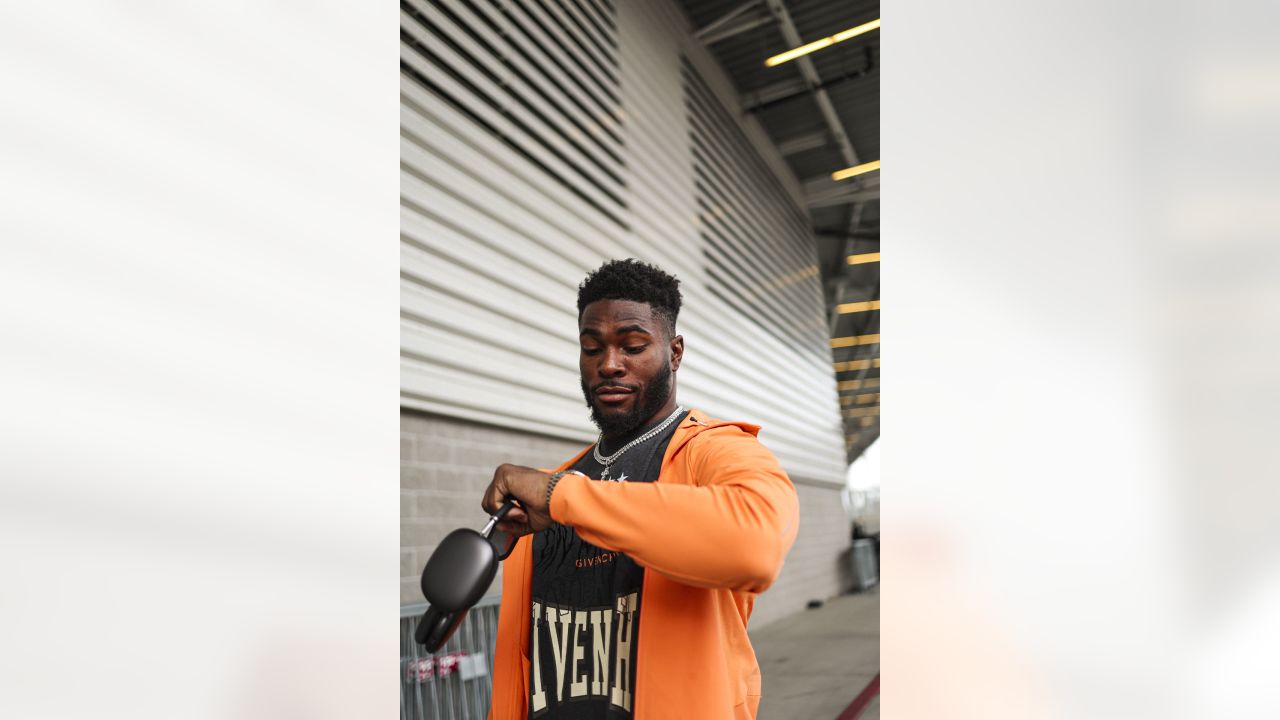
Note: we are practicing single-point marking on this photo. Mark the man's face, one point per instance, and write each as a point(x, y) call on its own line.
point(627, 361)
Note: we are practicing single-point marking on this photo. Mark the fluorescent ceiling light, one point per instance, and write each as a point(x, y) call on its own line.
point(856, 307)
point(823, 43)
point(863, 258)
point(852, 340)
point(865, 399)
point(855, 170)
point(850, 365)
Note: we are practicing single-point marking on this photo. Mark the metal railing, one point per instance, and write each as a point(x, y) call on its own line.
point(457, 682)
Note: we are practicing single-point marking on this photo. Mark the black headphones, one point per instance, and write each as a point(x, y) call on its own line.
point(456, 576)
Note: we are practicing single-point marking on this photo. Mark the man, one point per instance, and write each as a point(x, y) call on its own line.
point(628, 592)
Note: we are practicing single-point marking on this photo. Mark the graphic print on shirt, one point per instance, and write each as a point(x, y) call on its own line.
point(593, 651)
point(586, 605)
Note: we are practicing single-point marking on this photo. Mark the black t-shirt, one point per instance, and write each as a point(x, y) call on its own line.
point(586, 604)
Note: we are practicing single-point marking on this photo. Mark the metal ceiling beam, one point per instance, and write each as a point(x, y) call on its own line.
point(868, 230)
point(725, 27)
point(868, 234)
point(822, 185)
point(773, 93)
point(810, 75)
point(736, 29)
point(845, 197)
point(840, 281)
point(825, 192)
point(788, 89)
point(723, 20)
point(800, 143)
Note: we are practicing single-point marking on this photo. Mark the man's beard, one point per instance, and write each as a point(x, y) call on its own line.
point(655, 395)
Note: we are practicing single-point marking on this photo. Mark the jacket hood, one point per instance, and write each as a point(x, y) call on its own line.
point(696, 423)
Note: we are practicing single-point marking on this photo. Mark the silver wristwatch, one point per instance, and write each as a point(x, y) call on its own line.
point(555, 478)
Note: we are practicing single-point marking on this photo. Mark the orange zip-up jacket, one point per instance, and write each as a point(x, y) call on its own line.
point(711, 534)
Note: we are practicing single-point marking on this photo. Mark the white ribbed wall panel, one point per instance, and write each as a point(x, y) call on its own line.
point(542, 137)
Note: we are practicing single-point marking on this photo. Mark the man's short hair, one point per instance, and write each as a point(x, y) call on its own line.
point(633, 280)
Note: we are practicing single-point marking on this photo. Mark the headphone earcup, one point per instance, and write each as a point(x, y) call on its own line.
point(436, 627)
point(423, 631)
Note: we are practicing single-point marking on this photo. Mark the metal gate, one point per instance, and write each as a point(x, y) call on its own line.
point(457, 682)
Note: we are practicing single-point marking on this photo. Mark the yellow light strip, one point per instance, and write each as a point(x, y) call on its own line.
point(865, 399)
point(823, 43)
point(865, 383)
point(861, 411)
point(850, 365)
point(852, 340)
point(864, 258)
point(855, 170)
point(866, 421)
point(855, 307)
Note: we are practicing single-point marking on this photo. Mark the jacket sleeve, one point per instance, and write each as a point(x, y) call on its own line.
point(730, 528)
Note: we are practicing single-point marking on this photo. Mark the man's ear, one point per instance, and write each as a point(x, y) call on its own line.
point(677, 352)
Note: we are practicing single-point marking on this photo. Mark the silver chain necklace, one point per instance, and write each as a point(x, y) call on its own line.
point(607, 462)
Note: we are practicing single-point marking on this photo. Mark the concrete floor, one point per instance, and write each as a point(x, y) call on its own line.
point(815, 662)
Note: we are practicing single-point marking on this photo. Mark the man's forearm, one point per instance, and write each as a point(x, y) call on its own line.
point(732, 534)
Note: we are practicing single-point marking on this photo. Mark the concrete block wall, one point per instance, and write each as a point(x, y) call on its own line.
point(445, 465)
point(817, 566)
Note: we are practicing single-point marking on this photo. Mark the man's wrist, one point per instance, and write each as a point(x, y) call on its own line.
point(553, 481)
point(551, 486)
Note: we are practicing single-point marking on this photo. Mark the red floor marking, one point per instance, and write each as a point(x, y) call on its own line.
point(861, 702)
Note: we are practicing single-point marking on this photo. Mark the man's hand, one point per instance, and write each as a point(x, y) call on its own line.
point(527, 485)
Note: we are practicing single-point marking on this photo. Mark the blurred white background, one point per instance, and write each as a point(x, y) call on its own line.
point(198, 433)
point(1081, 515)
point(199, 496)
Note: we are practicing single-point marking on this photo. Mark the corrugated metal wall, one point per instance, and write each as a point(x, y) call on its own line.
point(542, 137)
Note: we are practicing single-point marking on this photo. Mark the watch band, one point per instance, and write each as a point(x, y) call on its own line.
point(555, 478)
